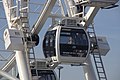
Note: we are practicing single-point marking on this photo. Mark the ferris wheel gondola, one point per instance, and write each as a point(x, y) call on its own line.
point(66, 44)
point(43, 74)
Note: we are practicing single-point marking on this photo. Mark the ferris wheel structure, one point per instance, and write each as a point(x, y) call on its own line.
point(69, 40)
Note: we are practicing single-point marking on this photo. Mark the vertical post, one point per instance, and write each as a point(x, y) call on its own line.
point(88, 70)
point(70, 4)
point(24, 24)
point(59, 68)
point(22, 66)
point(59, 74)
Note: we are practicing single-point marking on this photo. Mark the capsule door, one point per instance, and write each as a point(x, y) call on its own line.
point(73, 45)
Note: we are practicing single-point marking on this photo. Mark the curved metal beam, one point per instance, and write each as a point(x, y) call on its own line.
point(9, 65)
point(43, 16)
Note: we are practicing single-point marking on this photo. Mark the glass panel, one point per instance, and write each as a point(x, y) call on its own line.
point(33, 72)
point(64, 39)
point(49, 44)
point(73, 42)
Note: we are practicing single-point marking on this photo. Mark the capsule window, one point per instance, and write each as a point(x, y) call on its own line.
point(49, 44)
point(73, 42)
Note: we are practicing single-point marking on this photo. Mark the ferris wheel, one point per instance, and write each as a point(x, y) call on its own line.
point(70, 38)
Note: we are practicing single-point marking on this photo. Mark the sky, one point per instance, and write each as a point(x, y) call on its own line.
point(107, 23)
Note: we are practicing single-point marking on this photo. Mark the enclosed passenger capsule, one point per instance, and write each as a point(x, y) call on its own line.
point(41, 71)
point(66, 44)
point(43, 74)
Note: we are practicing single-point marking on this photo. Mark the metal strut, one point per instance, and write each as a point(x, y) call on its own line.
point(29, 44)
point(96, 53)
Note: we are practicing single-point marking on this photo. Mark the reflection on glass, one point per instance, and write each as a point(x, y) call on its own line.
point(73, 42)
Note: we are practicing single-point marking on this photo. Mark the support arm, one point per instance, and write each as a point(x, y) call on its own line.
point(90, 16)
point(9, 65)
point(43, 16)
point(8, 76)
